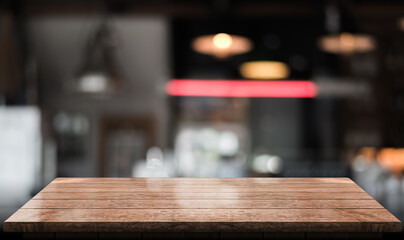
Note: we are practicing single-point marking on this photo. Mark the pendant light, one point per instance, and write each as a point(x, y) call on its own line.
point(98, 73)
point(221, 45)
point(342, 37)
point(265, 63)
point(220, 40)
point(263, 70)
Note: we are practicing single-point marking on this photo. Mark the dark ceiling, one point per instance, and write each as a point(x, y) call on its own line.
point(363, 9)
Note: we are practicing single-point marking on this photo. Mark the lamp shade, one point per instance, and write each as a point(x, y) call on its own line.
point(342, 35)
point(221, 45)
point(264, 70)
point(347, 43)
point(98, 73)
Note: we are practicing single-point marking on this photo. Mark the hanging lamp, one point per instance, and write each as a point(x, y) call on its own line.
point(221, 45)
point(342, 37)
point(222, 40)
point(98, 73)
point(263, 70)
point(265, 63)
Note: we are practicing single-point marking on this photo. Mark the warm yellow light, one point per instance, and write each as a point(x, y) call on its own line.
point(222, 45)
point(347, 43)
point(264, 70)
point(369, 153)
point(222, 40)
point(392, 159)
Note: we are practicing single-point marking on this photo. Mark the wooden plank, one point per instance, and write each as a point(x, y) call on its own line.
point(205, 220)
point(191, 195)
point(192, 203)
point(118, 189)
point(250, 181)
point(201, 185)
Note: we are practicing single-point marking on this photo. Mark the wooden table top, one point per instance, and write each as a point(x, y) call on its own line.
point(202, 205)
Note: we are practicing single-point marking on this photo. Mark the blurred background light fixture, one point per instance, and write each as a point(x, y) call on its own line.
point(342, 36)
point(228, 143)
point(98, 73)
point(347, 43)
point(267, 163)
point(93, 82)
point(237, 88)
point(222, 40)
point(222, 45)
point(392, 159)
point(264, 70)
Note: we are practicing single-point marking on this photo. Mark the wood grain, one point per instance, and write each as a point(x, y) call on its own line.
point(108, 189)
point(144, 220)
point(202, 205)
point(192, 203)
point(182, 181)
point(211, 195)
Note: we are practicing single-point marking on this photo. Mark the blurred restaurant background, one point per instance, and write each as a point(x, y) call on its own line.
point(203, 88)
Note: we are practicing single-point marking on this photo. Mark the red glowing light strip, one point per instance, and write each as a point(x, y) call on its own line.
point(232, 88)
